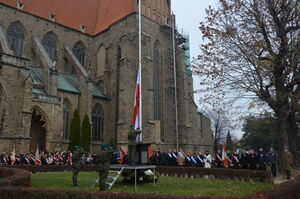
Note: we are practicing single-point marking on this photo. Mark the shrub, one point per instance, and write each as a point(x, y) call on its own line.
point(75, 131)
point(14, 177)
point(85, 140)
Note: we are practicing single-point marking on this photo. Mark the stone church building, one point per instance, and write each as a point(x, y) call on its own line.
point(60, 55)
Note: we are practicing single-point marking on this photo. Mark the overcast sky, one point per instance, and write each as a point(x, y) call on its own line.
point(189, 13)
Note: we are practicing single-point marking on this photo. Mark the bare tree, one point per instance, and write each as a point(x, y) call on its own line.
point(220, 125)
point(253, 49)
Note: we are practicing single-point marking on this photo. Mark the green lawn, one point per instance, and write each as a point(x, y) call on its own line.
point(166, 185)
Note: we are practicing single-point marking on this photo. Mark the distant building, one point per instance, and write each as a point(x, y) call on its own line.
point(57, 56)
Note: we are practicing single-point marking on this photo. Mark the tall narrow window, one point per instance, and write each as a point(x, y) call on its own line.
point(79, 52)
point(66, 118)
point(156, 81)
point(2, 111)
point(49, 43)
point(101, 58)
point(98, 122)
point(15, 37)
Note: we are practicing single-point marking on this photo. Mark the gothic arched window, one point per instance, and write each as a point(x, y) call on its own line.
point(98, 122)
point(49, 43)
point(79, 52)
point(101, 58)
point(15, 37)
point(66, 118)
point(156, 81)
point(2, 110)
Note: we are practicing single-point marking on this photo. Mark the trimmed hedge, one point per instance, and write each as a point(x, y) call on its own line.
point(32, 193)
point(218, 173)
point(14, 177)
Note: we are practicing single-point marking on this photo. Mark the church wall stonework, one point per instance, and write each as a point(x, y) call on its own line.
point(120, 42)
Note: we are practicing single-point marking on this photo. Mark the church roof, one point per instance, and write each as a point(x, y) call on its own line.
point(94, 15)
point(66, 82)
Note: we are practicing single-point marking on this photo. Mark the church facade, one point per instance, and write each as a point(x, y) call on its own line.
point(56, 57)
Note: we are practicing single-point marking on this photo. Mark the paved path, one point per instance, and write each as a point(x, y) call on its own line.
point(280, 178)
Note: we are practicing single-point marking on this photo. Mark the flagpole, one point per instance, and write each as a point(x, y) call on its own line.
point(140, 64)
point(175, 82)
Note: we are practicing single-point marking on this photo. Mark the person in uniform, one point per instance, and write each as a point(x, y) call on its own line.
point(181, 158)
point(132, 138)
point(253, 160)
point(262, 160)
point(287, 160)
point(219, 161)
point(76, 164)
point(103, 164)
point(244, 159)
point(207, 160)
point(272, 160)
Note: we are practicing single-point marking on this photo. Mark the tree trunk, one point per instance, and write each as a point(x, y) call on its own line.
point(293, 138)
point(282, 129)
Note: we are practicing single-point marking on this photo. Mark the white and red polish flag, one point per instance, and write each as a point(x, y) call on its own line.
point(136, 121)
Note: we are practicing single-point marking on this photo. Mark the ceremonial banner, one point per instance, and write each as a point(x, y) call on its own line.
point(120, 155)
point(224, 155)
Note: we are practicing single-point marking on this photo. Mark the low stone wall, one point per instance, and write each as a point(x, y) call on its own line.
point(14, 177)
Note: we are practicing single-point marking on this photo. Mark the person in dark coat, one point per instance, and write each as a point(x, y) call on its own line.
point(174, 159)
point(164, 158)
point(229, 157)
point(200, 160)
point(244, 159)
point(272, 160)
point(188, 161)
point(157, 157)
point(253, 160)
point(193, 160)
point(219, 161)
point(236, 160)
point(262, 159)
point(170, 158)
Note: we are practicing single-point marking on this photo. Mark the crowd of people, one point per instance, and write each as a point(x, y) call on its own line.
point(245, 160)
point(43, 158)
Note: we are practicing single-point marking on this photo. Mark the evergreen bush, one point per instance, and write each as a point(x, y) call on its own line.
point(75, 131)
point(85, 139)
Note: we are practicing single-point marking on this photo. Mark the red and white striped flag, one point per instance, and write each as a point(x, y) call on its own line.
point(136, 121)
point(224, 157)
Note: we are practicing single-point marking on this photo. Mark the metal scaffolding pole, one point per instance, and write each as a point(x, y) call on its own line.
point(175, 81)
